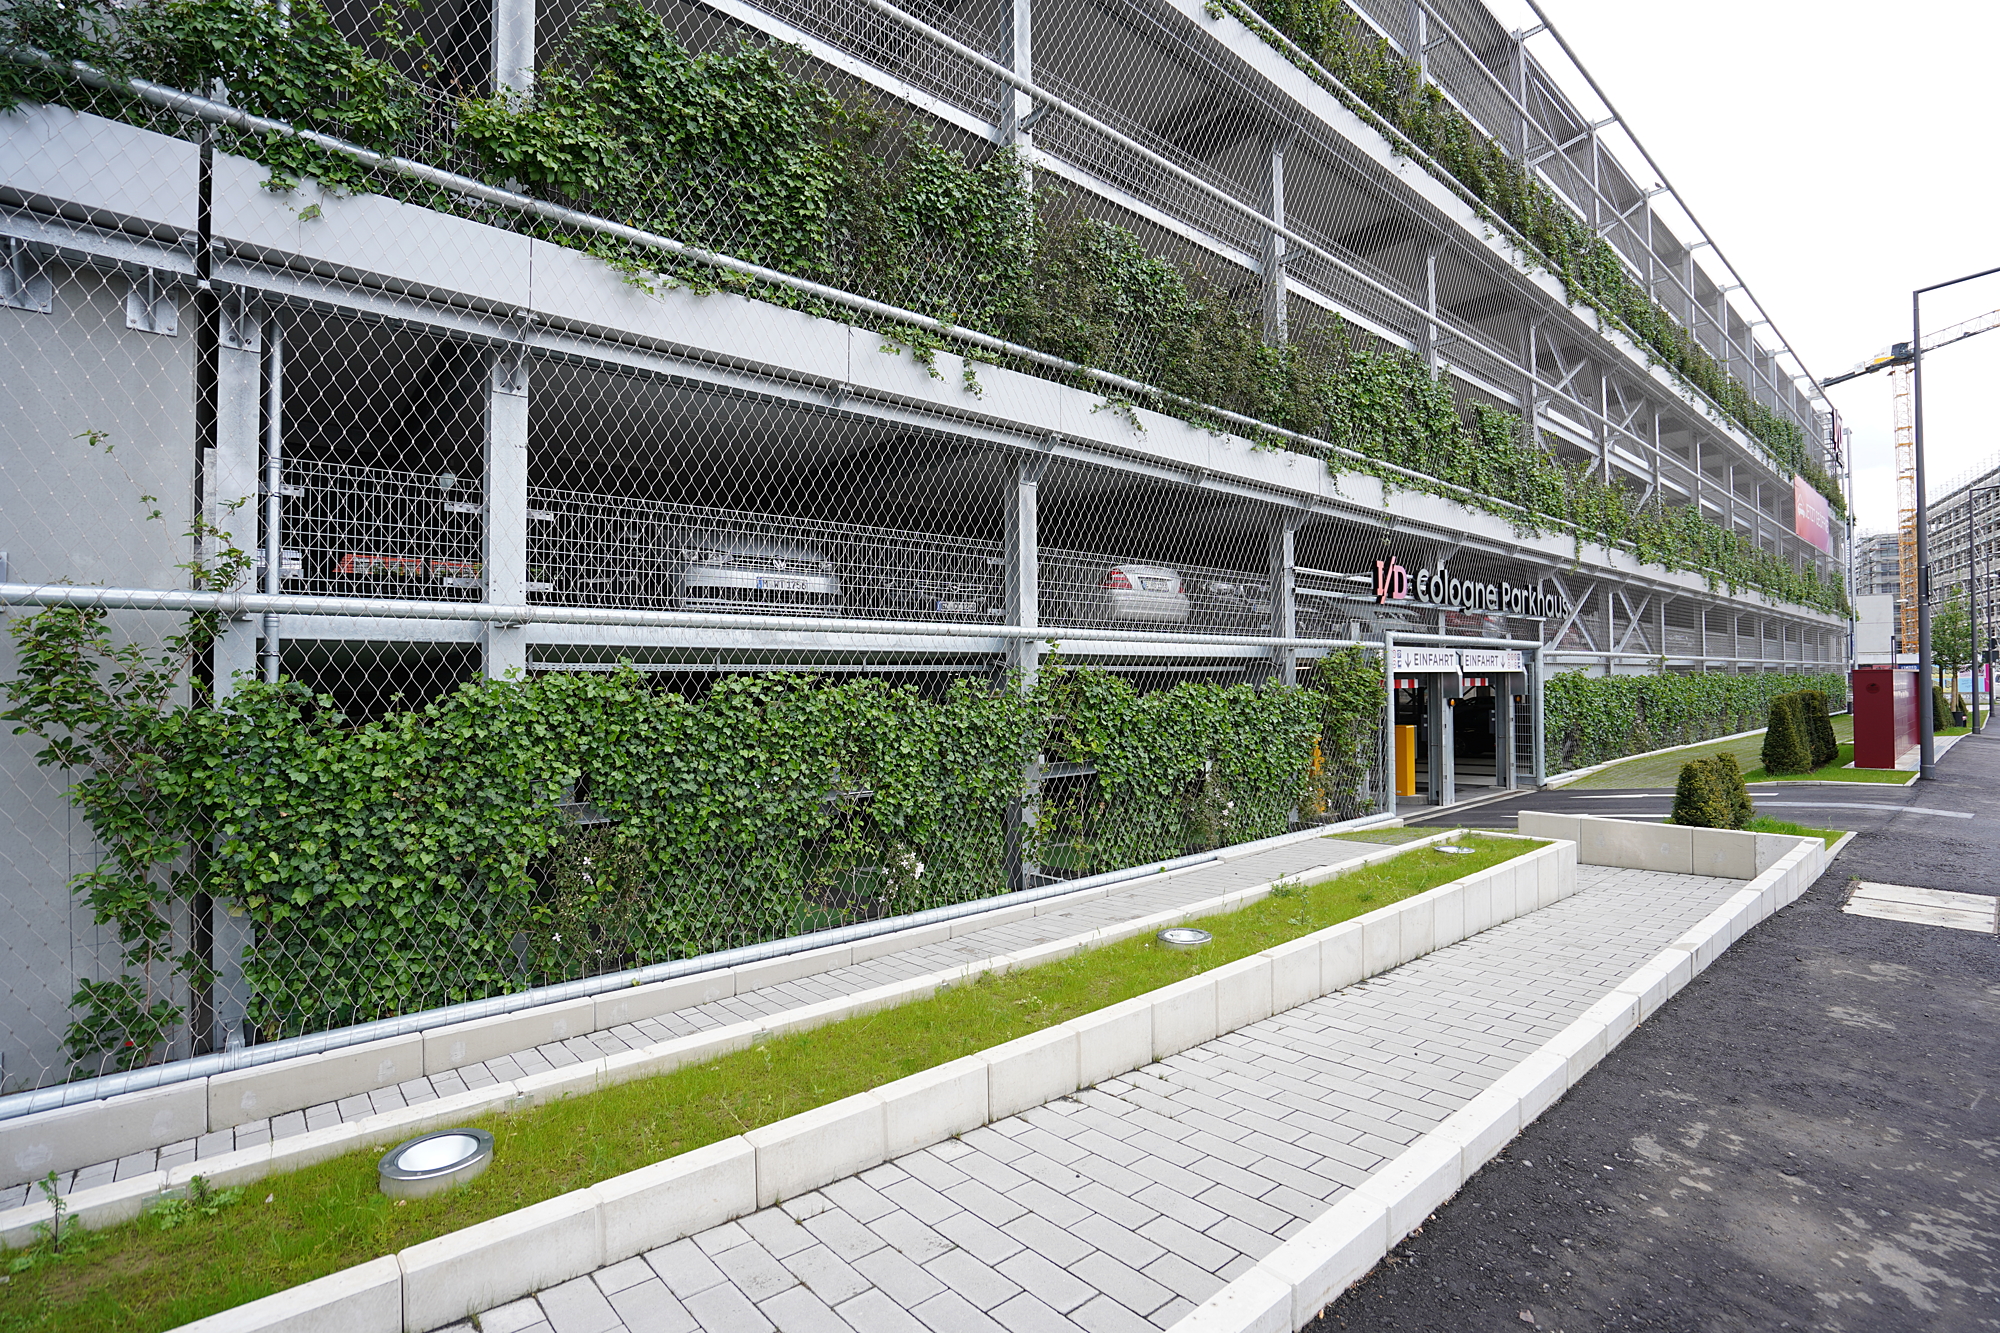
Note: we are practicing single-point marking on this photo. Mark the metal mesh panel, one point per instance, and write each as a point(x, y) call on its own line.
point(518, 586)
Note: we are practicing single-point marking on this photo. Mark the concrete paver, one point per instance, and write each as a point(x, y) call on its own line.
point(1124, 1205)
point(1141, 899)
point(1804, 1138)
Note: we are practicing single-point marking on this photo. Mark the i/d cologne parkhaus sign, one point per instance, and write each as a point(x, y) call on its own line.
point(1442, 589)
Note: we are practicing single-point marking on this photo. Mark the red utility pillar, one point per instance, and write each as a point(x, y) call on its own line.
point(1885, 715)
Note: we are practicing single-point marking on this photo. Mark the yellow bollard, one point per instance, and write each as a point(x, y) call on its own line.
point(1406, 761)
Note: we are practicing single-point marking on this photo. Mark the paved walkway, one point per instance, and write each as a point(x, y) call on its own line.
point(1124, 1206)
point(1143, 897)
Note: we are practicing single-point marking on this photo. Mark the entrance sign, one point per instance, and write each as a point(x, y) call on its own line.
point(1441, 588)
point(1490, 659)
point(1423, 659)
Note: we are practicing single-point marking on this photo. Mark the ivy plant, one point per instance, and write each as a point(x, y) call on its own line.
point(1353, 62)
point(733, 150)
point(1589, 719)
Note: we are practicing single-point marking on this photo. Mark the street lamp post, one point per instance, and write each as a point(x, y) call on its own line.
point(1972, 494)
point(1927, 722)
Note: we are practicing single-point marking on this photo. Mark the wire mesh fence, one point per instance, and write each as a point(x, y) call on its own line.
point(663, 548)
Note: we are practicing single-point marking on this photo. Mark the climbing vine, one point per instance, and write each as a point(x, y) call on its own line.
point(519, 832)
point(732, 151)
point(1589, 719)
point(1193, 767)
point(1353, 62)
point(115, 713)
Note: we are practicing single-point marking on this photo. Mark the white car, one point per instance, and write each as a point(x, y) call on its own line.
point(725, 571)
point(1149, 593)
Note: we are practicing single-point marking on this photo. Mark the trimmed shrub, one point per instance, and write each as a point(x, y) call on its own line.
point(1819, 728)
point(1699, 798)
point(1940, 711)
point(1730, 776)
point(1786, 746)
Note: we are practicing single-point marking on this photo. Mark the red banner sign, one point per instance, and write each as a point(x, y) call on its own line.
point(1812, 520)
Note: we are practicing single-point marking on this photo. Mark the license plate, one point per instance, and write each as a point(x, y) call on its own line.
point(784, 585)
point(1156, 585)
point(959, 608)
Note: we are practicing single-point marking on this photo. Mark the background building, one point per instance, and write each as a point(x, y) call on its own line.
point(1965, 548)
point(1878, 567)
point(1250, 376)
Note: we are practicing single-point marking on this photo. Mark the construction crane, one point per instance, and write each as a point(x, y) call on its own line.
point(1898, 354)
point(1897, 360)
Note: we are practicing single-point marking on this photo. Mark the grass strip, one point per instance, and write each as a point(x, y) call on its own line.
point(1766, 824)
point(292, 1228)
point(1391, 836)
point(1833, 772)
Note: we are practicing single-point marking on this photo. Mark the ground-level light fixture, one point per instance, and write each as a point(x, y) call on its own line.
point(433, 1163)
point(1184, 937)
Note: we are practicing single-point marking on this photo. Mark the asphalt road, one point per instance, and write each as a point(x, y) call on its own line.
point(1863, 807)
point(1807, 1137)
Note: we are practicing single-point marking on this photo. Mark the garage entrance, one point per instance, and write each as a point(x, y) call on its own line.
point(1459, 718)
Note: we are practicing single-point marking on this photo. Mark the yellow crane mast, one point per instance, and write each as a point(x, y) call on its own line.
point(1897, 362)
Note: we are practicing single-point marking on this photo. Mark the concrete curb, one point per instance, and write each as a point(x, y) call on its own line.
point(84, 1133)
point(492, 1262)
point(79, 1135)
point(1289, 1287)
point(110, 1204)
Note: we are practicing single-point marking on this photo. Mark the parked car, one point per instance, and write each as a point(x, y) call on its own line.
point(396, 569)
point(1475, 623)
point(1234, 604)
point(1148, 593)
point(938, 597)
point(725, 571)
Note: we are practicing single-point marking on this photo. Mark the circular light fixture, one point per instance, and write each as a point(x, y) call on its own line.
point(1454, 851)
point(433, 1163)
point(1183, 937)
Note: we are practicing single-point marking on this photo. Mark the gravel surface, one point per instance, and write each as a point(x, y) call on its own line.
point(1807, 1137)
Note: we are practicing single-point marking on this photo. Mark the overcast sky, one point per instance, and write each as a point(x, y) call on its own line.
point(1841, 154)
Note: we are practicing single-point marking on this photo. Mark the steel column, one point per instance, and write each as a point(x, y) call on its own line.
point(230, 485)
point(1274, 255)
point(1284, 596)
point(1021, 553)
point(1017, 53)
point(504, 577)
point(274, 477)
point(1389, 722)
point(513, 45)
point(1537, 728)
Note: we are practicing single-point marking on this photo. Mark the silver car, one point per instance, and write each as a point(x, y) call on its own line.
point(1234, 604)
point(729, 570)
point(1149, 593)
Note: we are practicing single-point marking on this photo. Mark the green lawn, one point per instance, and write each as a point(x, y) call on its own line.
point(1664, 770)
point(1766, 824)
point(1834, 772)
point(295, 1227)
point(1394, 837)
point(1985, 716)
